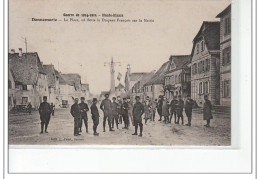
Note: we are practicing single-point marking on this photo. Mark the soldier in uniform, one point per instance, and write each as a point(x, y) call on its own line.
point(154, 104)
point(188, 109)
point(124, 111)
point(45, 114)
point(173, 109)
point(75, 112)
point(114, 111)
point(138, 111)
point(52, 109)
point(159, 107)
point(119, 109)
point(106, 108)
point(83, 113)
point(95, 116)
point(130, 110)
point(179, 110)
point(207, 114)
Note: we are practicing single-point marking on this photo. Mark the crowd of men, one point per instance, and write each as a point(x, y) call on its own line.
point(124, 112)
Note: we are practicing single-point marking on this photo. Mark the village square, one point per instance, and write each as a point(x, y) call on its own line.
point(187, 101)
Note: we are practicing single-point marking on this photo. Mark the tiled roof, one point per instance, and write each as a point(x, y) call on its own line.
point(51, 75)
point(146, 77)
point(158, 77)
point(136, 76)
point(72, 79)
point(179, 61)
point(211, 33)
point(25, 68)
point(224, 12)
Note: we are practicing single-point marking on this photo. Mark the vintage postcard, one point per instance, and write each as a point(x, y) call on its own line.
point(143, 73)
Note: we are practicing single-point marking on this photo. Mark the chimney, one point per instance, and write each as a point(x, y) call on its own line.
point(12, 51)
point(20, 52)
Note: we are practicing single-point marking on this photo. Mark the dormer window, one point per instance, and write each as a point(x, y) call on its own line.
point(173, 66)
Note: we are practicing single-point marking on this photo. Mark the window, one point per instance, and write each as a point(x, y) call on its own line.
point(199, 67)
point(227, 89)
point(227, 26)
point(206, 87)
point(200, 88)
point(179, 78)
point(151, 88)
point(198, 48)
point(24, 100)
point(195, 68)
point(24, 87)
point(226, 56)
point(207, 65)
point(176, 79)
point(202, 67)
point(202, 46)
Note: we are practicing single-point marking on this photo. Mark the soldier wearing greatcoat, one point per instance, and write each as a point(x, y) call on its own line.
point(45, 114)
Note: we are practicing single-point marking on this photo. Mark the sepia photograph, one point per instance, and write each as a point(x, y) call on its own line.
point(84, 74)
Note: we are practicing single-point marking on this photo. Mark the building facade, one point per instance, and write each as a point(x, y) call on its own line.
point(205, 77)
point(225, 56)
point(178, 78)
point(30, 79)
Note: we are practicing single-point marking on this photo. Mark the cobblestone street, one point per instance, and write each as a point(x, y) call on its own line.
point(25, 129)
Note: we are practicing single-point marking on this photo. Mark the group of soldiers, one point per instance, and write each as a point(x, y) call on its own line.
point(117, 112)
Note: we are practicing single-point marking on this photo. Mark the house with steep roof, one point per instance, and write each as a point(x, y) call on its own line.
point(225, 56)
point(155, 86)
point(205, 63)
point(53, 84)
point(29, 77)
point(177, 78)
point(139, 89)
point(70, 88)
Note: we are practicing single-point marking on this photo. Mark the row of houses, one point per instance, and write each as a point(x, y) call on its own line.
point(29, 80)
point(206, 71)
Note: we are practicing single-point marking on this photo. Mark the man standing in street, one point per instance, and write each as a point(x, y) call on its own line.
point(52, 109)
point(188, 109)
point(119, 109)
point(138, 111)
point(130, 110)
point(29, 108)
point(83, 113)
point(159, 107)
point(106, 108)
point(154, 104)
point(95, 116)
point(114, 111)
point(173, 109)
point(207, 114)
point(179, 109)
point(75, 112)
point(125, 113)
point(45, 114)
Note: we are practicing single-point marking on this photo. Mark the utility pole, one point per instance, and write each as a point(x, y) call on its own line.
point(25, 44)
point(112, 74)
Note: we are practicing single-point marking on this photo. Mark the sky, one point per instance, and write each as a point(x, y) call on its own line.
point(84, 47)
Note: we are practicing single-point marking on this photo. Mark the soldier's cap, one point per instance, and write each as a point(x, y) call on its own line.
point(179, 96)
point(147, 97)
point(137, 97)
point(82, 98)
point(188, 95)
point(94, 99)
point(107, 94)
point(76, 98)
point(124, 98)
point(128, 97)
point(114, 98)
point(44, 97)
